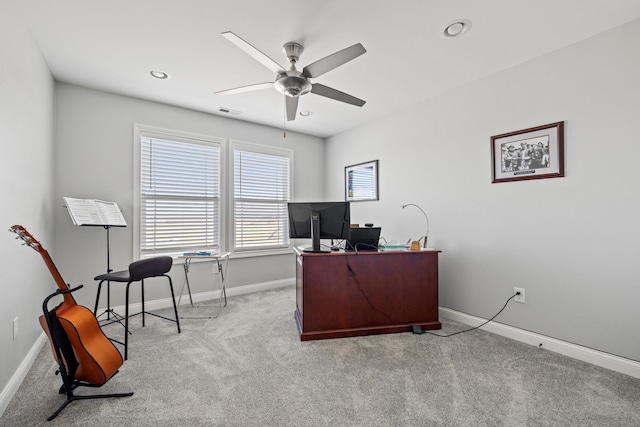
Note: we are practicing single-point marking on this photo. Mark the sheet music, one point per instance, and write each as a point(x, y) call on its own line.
point(94, 212)
point(110, 213)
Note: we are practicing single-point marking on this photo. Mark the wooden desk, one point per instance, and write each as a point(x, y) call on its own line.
point(346, 294)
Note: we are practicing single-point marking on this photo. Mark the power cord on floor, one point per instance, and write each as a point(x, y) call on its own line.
point(466, 330)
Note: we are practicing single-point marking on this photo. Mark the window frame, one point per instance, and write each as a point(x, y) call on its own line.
point(145, 131)
point(260, 149)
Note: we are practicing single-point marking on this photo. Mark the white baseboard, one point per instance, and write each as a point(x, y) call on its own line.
point(240, 290)
point(205, 296)
point(585, 354)
point(16, 380)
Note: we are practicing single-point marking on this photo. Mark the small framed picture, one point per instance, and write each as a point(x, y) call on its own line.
point(361, 182)
point(533, 153)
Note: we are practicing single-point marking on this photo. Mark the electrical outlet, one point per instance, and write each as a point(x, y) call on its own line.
point(519, 298)
point(15, 328)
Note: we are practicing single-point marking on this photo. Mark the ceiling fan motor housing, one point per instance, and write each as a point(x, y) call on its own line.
point(292, 85)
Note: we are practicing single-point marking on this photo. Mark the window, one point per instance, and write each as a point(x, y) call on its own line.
point(261, 190)
point(183, 203)
point(179, 193)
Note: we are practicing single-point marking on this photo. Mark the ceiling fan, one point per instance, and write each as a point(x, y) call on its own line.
point(294, 83)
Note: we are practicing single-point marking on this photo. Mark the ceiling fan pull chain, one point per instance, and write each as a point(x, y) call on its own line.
point(284, 119)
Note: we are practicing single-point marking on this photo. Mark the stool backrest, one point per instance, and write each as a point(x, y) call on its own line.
point(150, 267)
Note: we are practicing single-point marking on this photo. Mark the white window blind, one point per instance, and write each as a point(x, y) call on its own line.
point(179, 196)
point(261, 190)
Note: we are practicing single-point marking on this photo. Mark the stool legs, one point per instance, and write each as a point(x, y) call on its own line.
point(143, 312)
point(175, 307)
point(126, 322)
point(126, 315)
point(142, 296)
point(95, 309)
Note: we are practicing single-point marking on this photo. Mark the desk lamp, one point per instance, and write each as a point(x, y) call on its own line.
point(426, 235)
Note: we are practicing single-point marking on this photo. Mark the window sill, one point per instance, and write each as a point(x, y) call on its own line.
point(253, 254)
point(233, 255)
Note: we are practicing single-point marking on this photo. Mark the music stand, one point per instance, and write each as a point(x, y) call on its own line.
point(98, 213)
point(109, 311)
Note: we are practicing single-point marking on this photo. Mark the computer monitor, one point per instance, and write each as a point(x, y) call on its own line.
point(319, 220)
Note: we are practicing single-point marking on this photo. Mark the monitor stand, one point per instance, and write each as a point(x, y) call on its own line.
point(313, 251)
point(315, 234)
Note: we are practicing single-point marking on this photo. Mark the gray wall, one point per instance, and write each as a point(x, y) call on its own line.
point(26, 180)
point(94, 149)
point(571, 242)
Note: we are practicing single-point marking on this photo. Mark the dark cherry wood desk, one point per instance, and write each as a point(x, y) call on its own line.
point(346, 294)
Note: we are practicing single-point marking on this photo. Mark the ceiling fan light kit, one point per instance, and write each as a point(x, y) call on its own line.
point(293, 83)
point(159, 74)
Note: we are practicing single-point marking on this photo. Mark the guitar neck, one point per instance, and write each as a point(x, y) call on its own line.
point(68, 298)
point(30, 241)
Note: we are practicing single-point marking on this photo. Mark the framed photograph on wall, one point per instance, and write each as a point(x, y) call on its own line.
point(533, 153)
point(361, 182)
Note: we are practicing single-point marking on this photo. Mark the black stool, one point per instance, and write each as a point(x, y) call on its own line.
point(138, 271)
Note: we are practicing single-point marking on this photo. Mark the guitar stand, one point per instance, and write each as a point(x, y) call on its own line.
point(67, 363)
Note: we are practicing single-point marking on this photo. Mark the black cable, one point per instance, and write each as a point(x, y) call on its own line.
point(353, 275)
point(365, 247)
point(476, 327)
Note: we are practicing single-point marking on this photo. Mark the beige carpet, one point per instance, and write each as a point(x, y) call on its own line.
point(249, 368)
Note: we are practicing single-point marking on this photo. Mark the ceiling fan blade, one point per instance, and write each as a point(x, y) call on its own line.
point(241, 89)
point(332, 61)
point(292, 107)
point(323, 90)
point(254, 53)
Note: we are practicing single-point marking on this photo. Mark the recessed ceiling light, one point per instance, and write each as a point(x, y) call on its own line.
point(229, 111)
point(457, 28)
point(159, 74)
point(305, 113)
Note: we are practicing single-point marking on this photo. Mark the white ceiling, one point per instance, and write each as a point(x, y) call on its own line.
point(111, 45)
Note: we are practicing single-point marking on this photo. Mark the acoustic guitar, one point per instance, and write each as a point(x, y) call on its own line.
point(98, 359)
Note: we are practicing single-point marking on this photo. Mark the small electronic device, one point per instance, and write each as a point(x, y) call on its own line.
point(364, 239)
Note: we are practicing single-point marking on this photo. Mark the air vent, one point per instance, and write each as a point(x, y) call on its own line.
point(229, 111)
